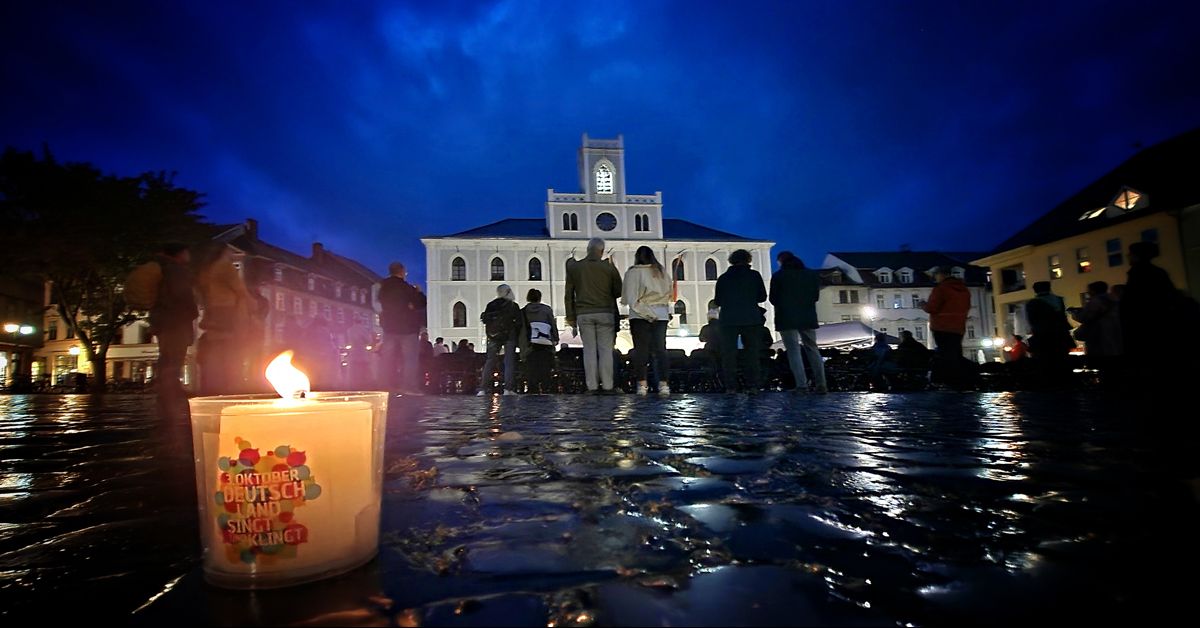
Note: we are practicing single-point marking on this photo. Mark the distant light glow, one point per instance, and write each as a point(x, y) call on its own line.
point(73, 351)
point(11, 328)
point(26, 330)
point(869, 312)
point(987, 342)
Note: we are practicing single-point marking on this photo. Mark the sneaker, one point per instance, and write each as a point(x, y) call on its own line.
point(509, 393)
point(664, 389)
point(642, 389)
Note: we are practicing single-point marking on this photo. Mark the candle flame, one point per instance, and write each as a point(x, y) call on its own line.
point(289, 381)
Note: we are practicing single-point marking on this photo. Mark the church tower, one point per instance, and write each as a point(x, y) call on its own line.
point(603, 208)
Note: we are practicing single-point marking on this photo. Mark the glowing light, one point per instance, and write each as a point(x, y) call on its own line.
point(73, 351)
point(987, 342)
point(11, 328)
point(26, 330)
point(682, 333)
point(997, 342)
point(287, 380)
point(868, 312)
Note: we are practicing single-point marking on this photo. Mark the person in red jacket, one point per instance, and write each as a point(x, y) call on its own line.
point(948, 306)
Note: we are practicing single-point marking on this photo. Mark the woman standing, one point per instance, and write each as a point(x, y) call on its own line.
point(647, 293)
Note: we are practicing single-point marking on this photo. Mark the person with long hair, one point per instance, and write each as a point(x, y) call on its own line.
point(739, 291)
point(647, 294)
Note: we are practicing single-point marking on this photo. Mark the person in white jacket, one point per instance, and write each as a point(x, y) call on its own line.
point(647, 294)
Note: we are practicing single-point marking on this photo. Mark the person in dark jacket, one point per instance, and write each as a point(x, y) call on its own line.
point(911, 354)
point(1151, 311)
point(172, 320)
point(502, 322)
point(739, 291)
point(401, 308)
point(948, 306)
point(1100, 331)
point(538, 341)
point(1051, 340)
point(794, 293)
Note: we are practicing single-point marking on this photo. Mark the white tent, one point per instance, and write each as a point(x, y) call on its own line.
point(848, 335)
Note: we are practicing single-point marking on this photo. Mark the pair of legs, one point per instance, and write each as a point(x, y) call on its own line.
point(650, 343)
point(752, 341)
point(801, 344)
point(399, 366)
point(540, 364)
point(599, 332)
point(948, 358)
point(489, 365)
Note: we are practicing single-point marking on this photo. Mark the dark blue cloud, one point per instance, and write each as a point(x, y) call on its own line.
point(822, 125)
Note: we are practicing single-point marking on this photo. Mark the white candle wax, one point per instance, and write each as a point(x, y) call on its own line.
point(294, 484)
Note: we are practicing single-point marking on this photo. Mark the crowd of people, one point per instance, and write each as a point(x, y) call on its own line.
point(1120, 327)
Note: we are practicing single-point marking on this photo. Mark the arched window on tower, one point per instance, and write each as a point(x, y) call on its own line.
point(645, 222)
point(497, 269)
point(710, 270)
point(637, 222)
point(574, 222)
point(535, 269)
point(460, 315)
point(566, 221)
point(677, 269)
point(458, 270)
point(681, 312)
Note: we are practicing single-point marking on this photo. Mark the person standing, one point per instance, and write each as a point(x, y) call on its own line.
point(226, 325)
point(401, 308)
point(439, 346)
point(739, 291)
point(948, 306)
point(794, 293)
point(1018, 350)
point(1149, 314)
point(1051, 340)
point(172, 320)
point(647, 294)
point(502, 324)
point(592, 288)
point(1100, 331)
point(538, 341)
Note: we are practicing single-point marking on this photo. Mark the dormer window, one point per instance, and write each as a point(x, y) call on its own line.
point(1128, 199)
point(906, 275)
point(884, 275)
point(956, 272)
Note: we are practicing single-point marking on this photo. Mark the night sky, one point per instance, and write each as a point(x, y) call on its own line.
point(822, 125)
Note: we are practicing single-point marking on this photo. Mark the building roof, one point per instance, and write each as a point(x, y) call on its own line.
point(1165, 173)
point(324, 262)
point(535, 228)
point(866, 262)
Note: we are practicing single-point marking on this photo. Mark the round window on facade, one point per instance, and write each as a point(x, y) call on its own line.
point(606, 222)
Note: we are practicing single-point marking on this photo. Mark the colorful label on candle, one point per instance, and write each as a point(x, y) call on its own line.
point(261, 495)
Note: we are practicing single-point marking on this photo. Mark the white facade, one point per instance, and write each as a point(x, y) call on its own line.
point(460, 268)
point(894, 305)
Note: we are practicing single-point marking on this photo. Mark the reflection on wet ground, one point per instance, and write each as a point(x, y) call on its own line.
point(931, 508)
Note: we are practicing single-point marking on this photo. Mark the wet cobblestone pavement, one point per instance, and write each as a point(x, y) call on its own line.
point(929, 509)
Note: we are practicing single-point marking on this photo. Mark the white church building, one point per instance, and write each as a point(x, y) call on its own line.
point(463, 269)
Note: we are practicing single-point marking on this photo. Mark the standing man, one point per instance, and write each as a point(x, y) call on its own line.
point(401, 308)
point(439, 346)
point(739, 291)
point(593, 287)
point(1051, 341)
point(948, 306)
point(172, 320)
point(794, 293)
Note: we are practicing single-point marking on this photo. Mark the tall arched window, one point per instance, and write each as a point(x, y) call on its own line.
point(460, 315)
point(637, 222)
point(535, 269)
point(681, 312)
point(604, 179)
point(458, 270)
point(645, 222)
point(497, 269)
point(570, 221)
point(574, 222)
point(677, 269)
point(566, 222)
point(710, 270)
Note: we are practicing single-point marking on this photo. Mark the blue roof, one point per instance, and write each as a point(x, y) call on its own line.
point(673, 229)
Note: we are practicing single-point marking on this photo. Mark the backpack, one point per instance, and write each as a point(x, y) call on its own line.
point(141, 286)
point(499, 324)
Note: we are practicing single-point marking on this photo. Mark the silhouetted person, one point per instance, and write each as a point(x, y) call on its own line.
point(911, 354)
point(172, 319)
point(794, 293)
point(439, 346)
point(401, 308)
point(226, 327)
point(502, 323)
point(948, 306)
point(537, 344)
point(1051, 341)
point(739, 291)
point(1100, 331)
point(1149, 323)
point(647, 292)
point(592, 288)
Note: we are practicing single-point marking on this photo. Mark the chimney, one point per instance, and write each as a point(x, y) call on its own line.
point(252, 228)
point(318, 252)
